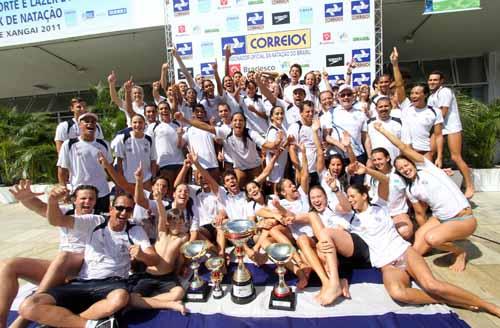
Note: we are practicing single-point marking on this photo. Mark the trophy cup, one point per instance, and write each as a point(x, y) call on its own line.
point(214, 264)
point(282, 297)
point(198, 289)
point(238, 232)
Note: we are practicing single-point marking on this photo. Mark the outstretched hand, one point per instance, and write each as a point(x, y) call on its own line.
point(394, 57)
point(58, 193)
point(22, 191)
point(139, 173)
point(112, 78)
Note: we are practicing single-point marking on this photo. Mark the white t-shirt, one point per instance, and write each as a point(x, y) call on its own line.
point(69, 130)
point(80, 159)
point(419, 123)
point(71, 240)
point(187, 111)
point(106, 253)
point(354, 122)
point(304, 134)
point(234, 106)
point(298, 206)
point(134, 151)
point(202, 143)
point(205, 204)
point(211, 105)
point(331, 218)
point(253, 207)
point(377, 230)
point(226, 150)
point(433, 187)
point(397, 193)
point(138, 109)
point(165, 139)
point(378, 140)
point(234, 205)
point(244, 157)
point(279, 167)
point(292, 112)
point(254, 121)
point(444, 97)
point(140, 213)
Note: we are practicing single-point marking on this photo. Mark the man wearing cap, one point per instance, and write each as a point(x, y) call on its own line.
point(77, 163)
point(69, 129)
point(346, 118)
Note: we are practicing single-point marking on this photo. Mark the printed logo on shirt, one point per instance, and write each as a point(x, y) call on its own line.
point(185, 49)
point(334, 12)
point(361, 78)
point(181, 7)
point(281, 18)
point(362, 57)
point(360, 9)
point(335, 60)
point(255, 20)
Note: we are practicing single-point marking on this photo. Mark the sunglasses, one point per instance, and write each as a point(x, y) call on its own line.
point(124, 208)
point(344, 95)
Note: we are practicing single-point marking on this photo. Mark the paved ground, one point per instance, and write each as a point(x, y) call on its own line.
point(25, 234)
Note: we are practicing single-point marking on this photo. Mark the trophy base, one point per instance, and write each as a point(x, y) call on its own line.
point(197, 295)
point(286, 303)
point(243, 292)
point(217, 293)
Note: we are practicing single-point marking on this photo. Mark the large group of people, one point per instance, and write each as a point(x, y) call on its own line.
point(350, 175)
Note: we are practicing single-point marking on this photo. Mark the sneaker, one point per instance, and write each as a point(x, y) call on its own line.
point(110, 322)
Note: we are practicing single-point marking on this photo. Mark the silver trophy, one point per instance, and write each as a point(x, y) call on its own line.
point(214, 265)
point(198, 289)
point(282, 296)
point(238, 232)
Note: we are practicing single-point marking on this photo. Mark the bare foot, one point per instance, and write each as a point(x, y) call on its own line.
point(460, 261)
point(177, 306)
point(344, 284)
point(330, 294)
point(317, 297)
point(303, 275)
point(469, 192)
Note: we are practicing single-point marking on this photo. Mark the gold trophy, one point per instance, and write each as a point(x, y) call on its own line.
point(238, 232)
point(198, 289)
point(282, 297)
point(214, 265)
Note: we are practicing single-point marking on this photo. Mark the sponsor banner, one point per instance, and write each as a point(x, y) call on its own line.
point(36, 21)
point(361, 78)
point(446, 6)
point(274, 34)
point(181, 76)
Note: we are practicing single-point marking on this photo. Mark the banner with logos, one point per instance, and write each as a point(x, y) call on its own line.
point(446, 6)
point(273, 34)
point(36, 21)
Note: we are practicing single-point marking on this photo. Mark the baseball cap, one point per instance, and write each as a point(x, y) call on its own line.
point(344, 87)
point(298, 88)
point(87, 114)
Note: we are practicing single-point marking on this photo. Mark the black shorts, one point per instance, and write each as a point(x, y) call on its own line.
point(79, 295)
point(149, 285)
point(360, 258)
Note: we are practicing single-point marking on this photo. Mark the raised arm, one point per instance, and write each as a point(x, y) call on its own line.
point(196, 123)
point(343, 204)
point(383, 186)
point(304, 170)
point(189, 77)
point(214, 186)
point(348, 75)
point(398, 78)
point(22, 193)
point(320, 155)
point(181, 177)
point(155, 90)
point(139, 197)
point(112, 90)
point(117, 177)
point(268, 169)
point(227, 56)
point(54, 214)
point(162, 213)
point(164, 77)
point(127, 86)
point(346, 143)
point(264, 90)
point(328, 86)
point(405, 149)
point(218, 81)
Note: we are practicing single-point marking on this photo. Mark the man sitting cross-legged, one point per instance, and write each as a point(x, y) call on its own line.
point(101, 288)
